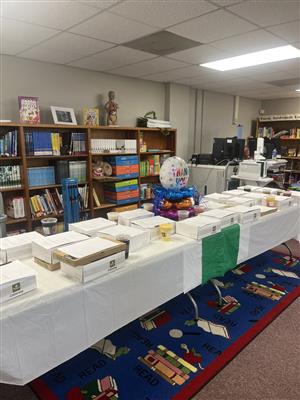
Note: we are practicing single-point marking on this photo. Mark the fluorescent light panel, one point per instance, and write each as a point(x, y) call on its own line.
point(297, 90)
point(256, 58)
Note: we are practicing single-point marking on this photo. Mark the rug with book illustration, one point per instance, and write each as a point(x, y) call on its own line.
point(166, 354)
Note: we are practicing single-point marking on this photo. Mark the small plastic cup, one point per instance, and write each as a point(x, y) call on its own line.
point(113, 216)
point(183, 214)
point(49, 226)
point(165, 231)
point(271, 201)
point(148, 206)
point(125, 239)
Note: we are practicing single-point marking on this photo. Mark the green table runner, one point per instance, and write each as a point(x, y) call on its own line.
point(220, 252)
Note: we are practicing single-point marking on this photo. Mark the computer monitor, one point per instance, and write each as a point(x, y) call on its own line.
point(228, 149)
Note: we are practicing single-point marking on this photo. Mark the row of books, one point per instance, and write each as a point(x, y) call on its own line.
point(54, 143)
point(10, 177)
point(50, 202)
point(151, 166)
point(70, 169)
point(15, 207)
point(9, 144)
point(269, 132)
point(51, 175)
point(146, 192)
point(113, 146)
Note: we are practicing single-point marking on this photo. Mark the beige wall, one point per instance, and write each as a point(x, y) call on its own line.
point(216, 115)
point(73, 87)
point(281, 106)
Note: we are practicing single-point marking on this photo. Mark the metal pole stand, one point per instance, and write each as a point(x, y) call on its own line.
point(194, 305)
point(289, 250)
point(220, 300)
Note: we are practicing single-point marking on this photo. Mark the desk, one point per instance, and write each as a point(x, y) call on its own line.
point(46, 327)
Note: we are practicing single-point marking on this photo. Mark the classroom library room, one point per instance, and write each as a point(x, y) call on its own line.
point(149, 199)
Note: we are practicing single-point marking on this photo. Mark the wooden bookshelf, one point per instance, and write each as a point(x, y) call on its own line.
point(162, 142)
point(289, 145)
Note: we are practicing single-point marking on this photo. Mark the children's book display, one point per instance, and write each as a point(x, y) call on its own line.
point(29, 110)
point(90, 116)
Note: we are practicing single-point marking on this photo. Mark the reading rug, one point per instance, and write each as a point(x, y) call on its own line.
point(166, 354)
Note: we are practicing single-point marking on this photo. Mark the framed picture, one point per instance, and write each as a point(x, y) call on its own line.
point(63, 115)
point(29, 110)
point(90, 116)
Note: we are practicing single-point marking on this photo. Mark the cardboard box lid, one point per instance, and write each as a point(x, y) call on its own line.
point(200, 220)
point(153, 222)
point(138, 213)
point(220, 213)
point(90, 250)
point(245, 209)
point(120, 230)
point(235, 192)
point(15, 271)
point(60, 239)
point(23, 239)
point(91, 225)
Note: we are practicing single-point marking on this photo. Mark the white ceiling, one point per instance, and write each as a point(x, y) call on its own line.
point(90, 34)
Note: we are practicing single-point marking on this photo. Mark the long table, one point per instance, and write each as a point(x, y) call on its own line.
point(48, 326)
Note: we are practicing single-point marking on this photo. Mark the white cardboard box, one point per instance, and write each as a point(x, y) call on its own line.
point(226, 216)
point(296, 196)
point(283, 202)
point(152, 225)
point(198, 227)
point(259, 198)
point(243, 201)
point(91, 226)
point(127, 217)
point(138, 238)
point(17, 246)
point(16, 279)
point(43, 248)
point(246, 214)
point(264, 210)
point(213, 205)
point(235, 192)
point(219, 197)
point(266, 190)
point(96, 269)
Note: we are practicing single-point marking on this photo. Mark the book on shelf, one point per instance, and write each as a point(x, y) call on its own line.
point(54, 143)
point(61, 170)
point(10, 177)
point(41, 176)
point(84, 196)
point(9, 144)
point(29, 110)
point(15, 207)
point(151, 166)
point(96, 198)
point(77, 170)
point(46, 203)
point(90, 116)
point(113, 146)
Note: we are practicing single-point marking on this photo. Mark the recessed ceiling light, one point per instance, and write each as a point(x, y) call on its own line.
point(297, 90)
point(256, 58)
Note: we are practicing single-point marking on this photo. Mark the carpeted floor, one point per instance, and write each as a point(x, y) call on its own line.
point(267, 369)
point(272, 374)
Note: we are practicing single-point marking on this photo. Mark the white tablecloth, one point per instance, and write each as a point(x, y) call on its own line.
point(46, 327)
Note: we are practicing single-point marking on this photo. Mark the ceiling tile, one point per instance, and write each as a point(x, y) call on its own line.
point(214, 26)
point(53, 14)
point(273, 76)
point(200, 54)
point(100, 4)
point(267, 12)
point(159, 64)
point(75, 46)
point(16, 31)
point(289, 32)
point(249, 42)
point(176, 74)
point(225, 3)
point(112, 58)
point(162, 13)
point(113, 28)
point(11, 48)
